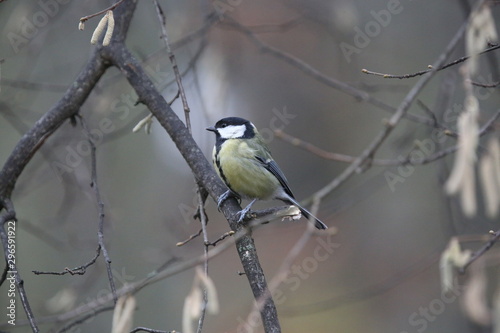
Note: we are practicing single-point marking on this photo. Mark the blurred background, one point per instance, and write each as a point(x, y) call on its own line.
point(379, 273)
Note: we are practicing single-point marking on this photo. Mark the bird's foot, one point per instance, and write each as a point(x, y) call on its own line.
point(242, 213)
point(226, 196)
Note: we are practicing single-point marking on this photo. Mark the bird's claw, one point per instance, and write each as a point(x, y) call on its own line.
point(242, 214)
point(225, 196)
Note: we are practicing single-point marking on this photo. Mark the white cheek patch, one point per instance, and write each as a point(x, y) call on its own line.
point(232, 131)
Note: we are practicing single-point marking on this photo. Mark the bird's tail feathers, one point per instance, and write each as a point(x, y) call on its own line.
point(317, 222)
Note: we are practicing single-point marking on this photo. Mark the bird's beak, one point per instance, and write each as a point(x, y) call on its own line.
point(211, 129)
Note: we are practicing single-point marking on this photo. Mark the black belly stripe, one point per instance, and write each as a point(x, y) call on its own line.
point(221, 173)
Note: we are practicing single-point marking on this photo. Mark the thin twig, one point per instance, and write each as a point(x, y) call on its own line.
point(101, 307)
point(132, 288)
point(350, 159)
point(474, 256)
point(203, 220)
point(201, 200)
point(437, 125)
point(145, 329)
point(100, 205)
point(65, 108)
point(97, 306)
point(221, 238)
point(190, 238)
point(429, 112)
point(431, 68)
point(86, 18)
point(171, 56)
point(307, 146)
point(31, 142)
point(80, 270)
point(12, 262)
point(485, 85)
point(160, 274)
point(391, 124)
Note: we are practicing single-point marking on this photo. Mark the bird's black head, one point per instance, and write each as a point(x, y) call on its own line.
point(233, 128)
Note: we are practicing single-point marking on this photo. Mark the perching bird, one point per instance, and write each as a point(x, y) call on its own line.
point(244, 162)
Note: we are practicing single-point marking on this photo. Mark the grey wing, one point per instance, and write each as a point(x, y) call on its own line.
point(273, 168)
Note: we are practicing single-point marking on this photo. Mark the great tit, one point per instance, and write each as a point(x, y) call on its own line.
point(243, 161)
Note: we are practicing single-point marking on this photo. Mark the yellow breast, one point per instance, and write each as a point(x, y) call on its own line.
point(242, 173)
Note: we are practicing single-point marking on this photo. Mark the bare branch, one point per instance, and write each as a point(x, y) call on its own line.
point(190, 238)
point(171, 56)
point(370, 151)
point(100, 205)
point(165, 271)
point(485, 85)
point(68, 106)
point(474, 256)
point(206, 243)
point(145, 329)
point(88, 17)
point(430, 69)
point(80, 270)
point(221, 238)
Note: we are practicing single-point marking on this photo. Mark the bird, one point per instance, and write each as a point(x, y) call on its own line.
point(244, 162)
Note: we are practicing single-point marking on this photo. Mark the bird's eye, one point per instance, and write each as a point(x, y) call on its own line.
point(223, 125)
